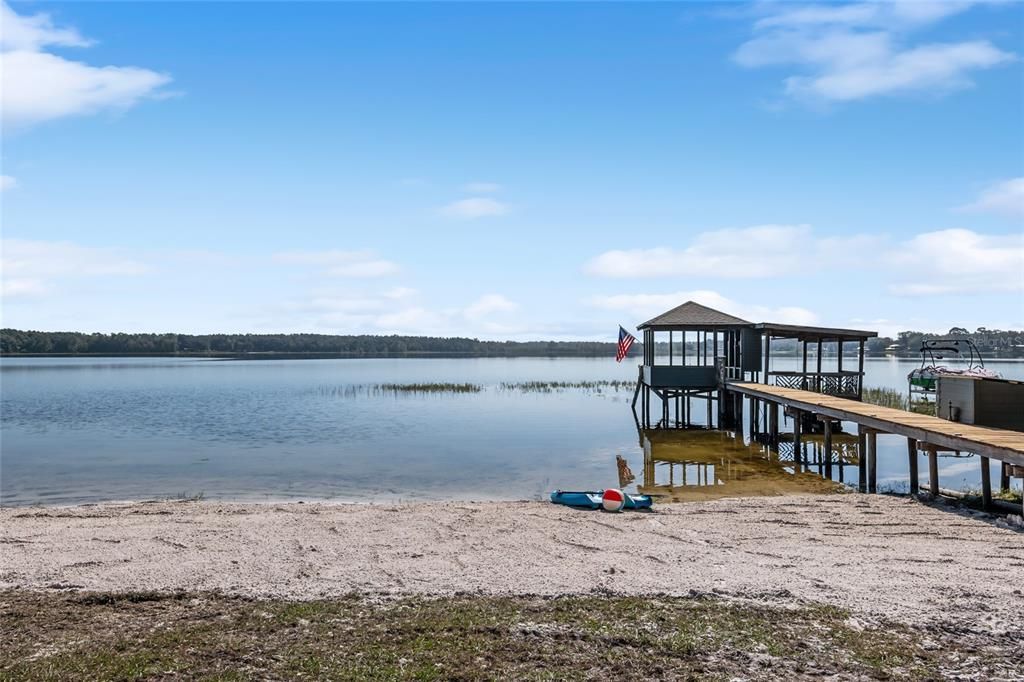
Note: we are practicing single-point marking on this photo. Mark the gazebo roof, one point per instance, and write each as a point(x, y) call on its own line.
point(691, 316)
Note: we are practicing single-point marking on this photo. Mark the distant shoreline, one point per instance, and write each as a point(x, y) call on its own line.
point(276, 355)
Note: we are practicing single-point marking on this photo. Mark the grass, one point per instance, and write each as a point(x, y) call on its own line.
point(67, 636)
point(356, 390)
point(887, 397)
point(597, 386)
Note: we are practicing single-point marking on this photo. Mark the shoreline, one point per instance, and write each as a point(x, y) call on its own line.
point(879, 556)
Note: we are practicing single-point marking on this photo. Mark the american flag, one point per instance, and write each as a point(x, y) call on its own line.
point(625, 341)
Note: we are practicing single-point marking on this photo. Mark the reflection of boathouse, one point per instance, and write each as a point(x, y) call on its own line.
point(699, 464)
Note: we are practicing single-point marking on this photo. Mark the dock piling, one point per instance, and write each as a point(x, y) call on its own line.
point(912, 462)
point(872, 462)
point(986, 483)
point(933, 470)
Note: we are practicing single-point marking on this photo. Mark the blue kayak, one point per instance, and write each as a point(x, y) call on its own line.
point(592, 500)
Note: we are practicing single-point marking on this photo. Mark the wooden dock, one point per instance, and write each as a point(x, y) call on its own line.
point(923, 433)
point(1007, 446)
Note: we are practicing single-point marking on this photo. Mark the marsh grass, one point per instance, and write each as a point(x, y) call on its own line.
point(445, 388)
point(67, 635)
point(597, 386)
point(362, 390)
point(888, 397)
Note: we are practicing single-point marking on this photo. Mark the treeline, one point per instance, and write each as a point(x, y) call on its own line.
point(14, 341)
point(18, 342)
point(989, 341)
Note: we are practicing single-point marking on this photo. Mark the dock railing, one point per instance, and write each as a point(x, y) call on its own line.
point(841, 384)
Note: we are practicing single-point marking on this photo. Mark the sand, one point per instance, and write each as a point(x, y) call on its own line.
point(880, 556)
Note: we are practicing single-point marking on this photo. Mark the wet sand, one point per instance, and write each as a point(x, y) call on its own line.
point(883, 557)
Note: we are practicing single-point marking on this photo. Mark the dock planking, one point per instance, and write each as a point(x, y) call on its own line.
point(1001, 444)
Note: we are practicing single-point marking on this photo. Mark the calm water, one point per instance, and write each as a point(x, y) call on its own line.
point(77, 430)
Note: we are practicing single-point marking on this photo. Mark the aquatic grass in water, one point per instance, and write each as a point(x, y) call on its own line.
point(357, 390)
point(443, 388)
point(553, 386)
point(888, 397)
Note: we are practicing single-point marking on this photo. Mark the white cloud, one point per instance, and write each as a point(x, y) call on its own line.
point(759, 251)
point(31, 268)
point(475, 207)
point(399, 293)
point(337, 263)
point(39, 86)
point(855, 51)
point(34, 32)
point(487, 304)
point(644, 306)
point(7, 182)
point(1006, 197)
point(481, 187)
point(959, 261)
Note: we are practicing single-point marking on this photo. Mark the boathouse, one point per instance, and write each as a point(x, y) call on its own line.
point(691, 351)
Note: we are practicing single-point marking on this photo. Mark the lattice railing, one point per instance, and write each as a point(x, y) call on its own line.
point(842, 384)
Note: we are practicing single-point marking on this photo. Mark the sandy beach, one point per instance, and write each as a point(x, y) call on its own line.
point(879, 556)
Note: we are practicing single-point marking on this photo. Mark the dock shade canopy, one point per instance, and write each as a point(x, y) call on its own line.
point(802, 333)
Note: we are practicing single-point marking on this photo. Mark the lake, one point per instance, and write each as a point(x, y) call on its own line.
point(94, 429)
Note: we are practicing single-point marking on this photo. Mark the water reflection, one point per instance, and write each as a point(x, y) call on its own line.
point(700, 464)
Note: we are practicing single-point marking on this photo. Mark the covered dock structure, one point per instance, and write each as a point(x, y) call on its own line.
point(691, 351)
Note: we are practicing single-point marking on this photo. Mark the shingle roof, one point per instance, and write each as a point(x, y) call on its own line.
point(694, 315)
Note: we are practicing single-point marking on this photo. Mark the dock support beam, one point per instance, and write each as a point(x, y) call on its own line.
point(933, 470)
point(862, 459)
point(796, 442)
point(912, 465)
point(827, 424)
point(872, 462)
point(986, 484)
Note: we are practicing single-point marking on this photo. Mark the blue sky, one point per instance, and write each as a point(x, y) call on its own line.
point(510, 170)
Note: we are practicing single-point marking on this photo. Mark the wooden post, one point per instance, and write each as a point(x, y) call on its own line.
point(773, 424)
point(1004, 477)
point(803, 377)
point(986, 484)
point(933, 470)
point(872, 462)
point(862, 460)
point(912, 466)
point(709, 424)
point(670, 346)
point(860, 371)
point(796, 440)
point(767, 355)
point(828, 448)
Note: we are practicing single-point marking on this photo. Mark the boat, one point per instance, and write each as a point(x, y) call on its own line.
point(592, 499)
point(923, 379)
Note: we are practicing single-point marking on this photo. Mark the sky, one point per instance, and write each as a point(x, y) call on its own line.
point(510, 170)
